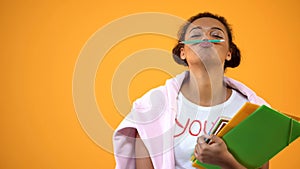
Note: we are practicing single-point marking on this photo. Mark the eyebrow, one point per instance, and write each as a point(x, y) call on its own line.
point(199, 27)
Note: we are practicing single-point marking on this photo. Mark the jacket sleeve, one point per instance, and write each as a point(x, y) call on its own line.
point(152, 119)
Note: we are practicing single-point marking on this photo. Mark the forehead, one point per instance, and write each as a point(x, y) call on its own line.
point(206, 23)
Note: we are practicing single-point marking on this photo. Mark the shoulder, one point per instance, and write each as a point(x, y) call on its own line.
point(152, 98)
point(160, 95)
point(245, 90)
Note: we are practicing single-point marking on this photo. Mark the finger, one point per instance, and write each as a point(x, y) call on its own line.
point(200, 149)
point(201, 146)
point(215, 139)
point(202, 139)
point(196, 151)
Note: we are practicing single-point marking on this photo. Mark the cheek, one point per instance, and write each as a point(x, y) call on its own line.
point(189, 51)
point(223, 51)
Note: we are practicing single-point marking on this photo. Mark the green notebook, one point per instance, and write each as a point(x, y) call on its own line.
point(259, 137)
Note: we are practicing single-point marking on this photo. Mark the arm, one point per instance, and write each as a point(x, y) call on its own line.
point(143, 160)
point(216, 153)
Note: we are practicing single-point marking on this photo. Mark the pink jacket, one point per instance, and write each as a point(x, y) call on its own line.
point(153, 116)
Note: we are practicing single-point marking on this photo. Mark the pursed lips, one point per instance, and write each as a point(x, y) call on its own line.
point(206, 44)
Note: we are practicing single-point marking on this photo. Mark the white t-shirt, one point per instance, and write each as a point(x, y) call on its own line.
point(193, 121)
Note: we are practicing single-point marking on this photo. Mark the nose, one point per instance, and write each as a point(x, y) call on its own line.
point(205, 36)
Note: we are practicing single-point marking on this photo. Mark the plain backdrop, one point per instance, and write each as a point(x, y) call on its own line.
point(40, 44)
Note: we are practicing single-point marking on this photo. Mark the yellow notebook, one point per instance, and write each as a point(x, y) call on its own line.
point(243, 113)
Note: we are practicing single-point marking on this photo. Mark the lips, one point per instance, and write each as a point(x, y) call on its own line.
point(206, 44)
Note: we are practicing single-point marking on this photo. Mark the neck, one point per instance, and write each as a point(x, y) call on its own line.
point(205, 88)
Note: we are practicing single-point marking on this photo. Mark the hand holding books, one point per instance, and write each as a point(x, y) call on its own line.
point(274, 130)
point(213, 150)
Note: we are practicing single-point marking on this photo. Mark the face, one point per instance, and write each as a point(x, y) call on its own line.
point(206, 54)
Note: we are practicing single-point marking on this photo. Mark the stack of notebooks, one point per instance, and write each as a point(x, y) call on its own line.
point(255, 135)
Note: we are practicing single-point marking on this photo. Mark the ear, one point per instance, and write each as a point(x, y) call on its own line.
point(182, 55)
point(228, 56)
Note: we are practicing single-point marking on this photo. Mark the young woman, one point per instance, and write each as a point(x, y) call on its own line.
point(170, 123)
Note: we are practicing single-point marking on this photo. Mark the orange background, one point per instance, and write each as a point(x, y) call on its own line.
point(41, 40)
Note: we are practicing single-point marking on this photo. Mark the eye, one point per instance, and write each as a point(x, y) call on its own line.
point(217, 34)
point(195, 36)
point(196, 33)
